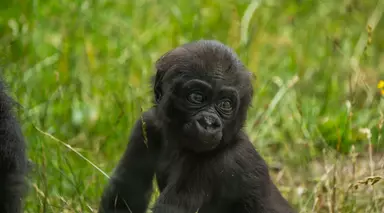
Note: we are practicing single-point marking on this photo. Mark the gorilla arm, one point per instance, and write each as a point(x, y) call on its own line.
point(130, 186)
point(173, 201)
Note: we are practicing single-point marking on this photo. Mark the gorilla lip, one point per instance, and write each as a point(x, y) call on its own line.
point(211, 139)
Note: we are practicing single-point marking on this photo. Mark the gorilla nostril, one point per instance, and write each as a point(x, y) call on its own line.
point(216, 125)
point(202, 123)
point(209, 122)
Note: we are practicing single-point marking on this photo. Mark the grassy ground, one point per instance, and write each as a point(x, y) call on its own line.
point(81, 69)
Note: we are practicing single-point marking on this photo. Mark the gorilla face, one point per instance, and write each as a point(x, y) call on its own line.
point(204, 112)
point(200, 96)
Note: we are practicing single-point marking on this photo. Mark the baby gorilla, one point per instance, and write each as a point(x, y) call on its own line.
point(13, 160)
point(192, 139)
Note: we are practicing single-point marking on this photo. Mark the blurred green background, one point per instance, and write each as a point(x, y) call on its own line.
point(81, 70)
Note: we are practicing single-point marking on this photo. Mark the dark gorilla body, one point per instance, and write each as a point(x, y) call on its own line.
point(194, 142)
point(13, 160)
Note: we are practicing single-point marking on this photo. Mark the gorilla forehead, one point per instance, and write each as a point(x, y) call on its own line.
point(205, 59)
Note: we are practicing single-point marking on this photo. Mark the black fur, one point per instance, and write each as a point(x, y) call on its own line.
point(13, 160)
point(194, 142)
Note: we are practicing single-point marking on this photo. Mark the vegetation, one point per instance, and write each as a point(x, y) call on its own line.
point(81, 72)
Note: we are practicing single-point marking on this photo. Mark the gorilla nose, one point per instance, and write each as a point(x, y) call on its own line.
point(209, 122)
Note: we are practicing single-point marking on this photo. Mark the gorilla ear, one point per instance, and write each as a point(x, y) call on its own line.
point(162, 65)
point(158, 95)
point(157, 86)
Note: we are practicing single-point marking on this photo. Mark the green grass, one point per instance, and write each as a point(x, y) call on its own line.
point(81, 70)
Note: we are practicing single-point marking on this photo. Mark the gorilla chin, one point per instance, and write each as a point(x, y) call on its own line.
point(203, 132)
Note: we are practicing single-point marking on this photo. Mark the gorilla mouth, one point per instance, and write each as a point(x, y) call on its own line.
point(209, 137)
point(200, 139)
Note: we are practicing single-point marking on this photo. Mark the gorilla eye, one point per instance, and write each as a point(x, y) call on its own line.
point(195, 98)
point(226, 106)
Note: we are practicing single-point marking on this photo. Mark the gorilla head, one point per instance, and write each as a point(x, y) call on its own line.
point(202, 92)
